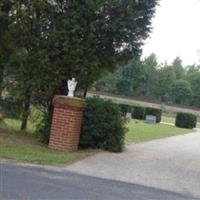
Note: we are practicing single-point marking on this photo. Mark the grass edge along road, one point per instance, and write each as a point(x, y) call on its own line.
point(142, 132)
point(18, 147)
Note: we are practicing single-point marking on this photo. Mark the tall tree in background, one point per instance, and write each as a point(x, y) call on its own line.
point(149, 80)
point(194, 80)
point(150, 66)
point(178, 68)
point(5, 8)
point(130, 78)
point(181, 92)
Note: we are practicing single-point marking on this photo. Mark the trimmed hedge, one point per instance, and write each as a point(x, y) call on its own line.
point(155, 112)
point(138, 112)
point(103, 126)
point(125, 108)
point(186, 120)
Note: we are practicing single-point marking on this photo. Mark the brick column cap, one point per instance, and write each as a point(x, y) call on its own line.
point(69, 101)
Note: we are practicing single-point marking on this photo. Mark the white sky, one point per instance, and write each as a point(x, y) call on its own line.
point(176, 32)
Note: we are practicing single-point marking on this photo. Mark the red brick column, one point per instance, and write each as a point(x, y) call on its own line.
point(66, 123)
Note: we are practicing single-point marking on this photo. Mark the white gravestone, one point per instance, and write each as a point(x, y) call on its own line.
point(128, 116)
point(71, 87)
point(150, 119)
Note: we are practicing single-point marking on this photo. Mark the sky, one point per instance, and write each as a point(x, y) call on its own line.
point(176, 32)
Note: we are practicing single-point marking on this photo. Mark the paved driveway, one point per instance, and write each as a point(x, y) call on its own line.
point(172, 164)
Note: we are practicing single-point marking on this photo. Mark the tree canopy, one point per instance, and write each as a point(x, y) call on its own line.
point(147, 79)
point(52, 41)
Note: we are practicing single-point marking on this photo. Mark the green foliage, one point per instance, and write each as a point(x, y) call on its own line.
point(150, 73)
point(5, 47)
point(147, 79)
point(166, 78)
point(103, 126)
point(44, 127)
point(52, 41)
point(125, 108)
point(128, 77)
point(193, 77)
point(10, 107)
point(138, 112)
point(186, 120)
point(156, 112)
point(178, 68)
point(108, 84)
point(181, 92)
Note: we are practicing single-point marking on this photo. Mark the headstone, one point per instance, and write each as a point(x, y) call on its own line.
point(128, 116)
point(150, 119)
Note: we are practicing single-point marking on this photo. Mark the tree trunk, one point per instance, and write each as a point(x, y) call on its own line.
point(85, 92)
point(1, 82)
point(25, 112)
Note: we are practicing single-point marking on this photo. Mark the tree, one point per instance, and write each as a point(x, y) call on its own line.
point(150, 66)
point(94, 36)
point(131, 78)
point(138, 78)
point(192, 69)
point(166, 78)
point(181, 92)
point(5, 7)
point(28, 26)
point(194, 79)
point(108, 82)
point(178, 68)
point(62, 39)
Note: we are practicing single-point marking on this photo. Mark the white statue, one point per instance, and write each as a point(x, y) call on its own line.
point(71, 87)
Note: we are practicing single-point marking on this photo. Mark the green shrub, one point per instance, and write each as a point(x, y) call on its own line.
point(44, 127)
point(155, 112)
point(186, 120)
point(138, 112)
point(125, 108)
point(10, 108)
point(103, 126)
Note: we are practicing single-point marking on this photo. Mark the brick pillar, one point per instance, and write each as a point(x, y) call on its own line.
point(66, 123)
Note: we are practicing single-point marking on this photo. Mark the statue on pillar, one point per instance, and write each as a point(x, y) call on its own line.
point(71, 87)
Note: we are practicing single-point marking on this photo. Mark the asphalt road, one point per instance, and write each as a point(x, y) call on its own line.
point(33, 183)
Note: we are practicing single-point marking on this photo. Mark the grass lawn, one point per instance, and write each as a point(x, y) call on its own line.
point(168, 119)
point(20, 147)
point(171, 119)
point(23, 147)
point(141, 132)
point(14, 125)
